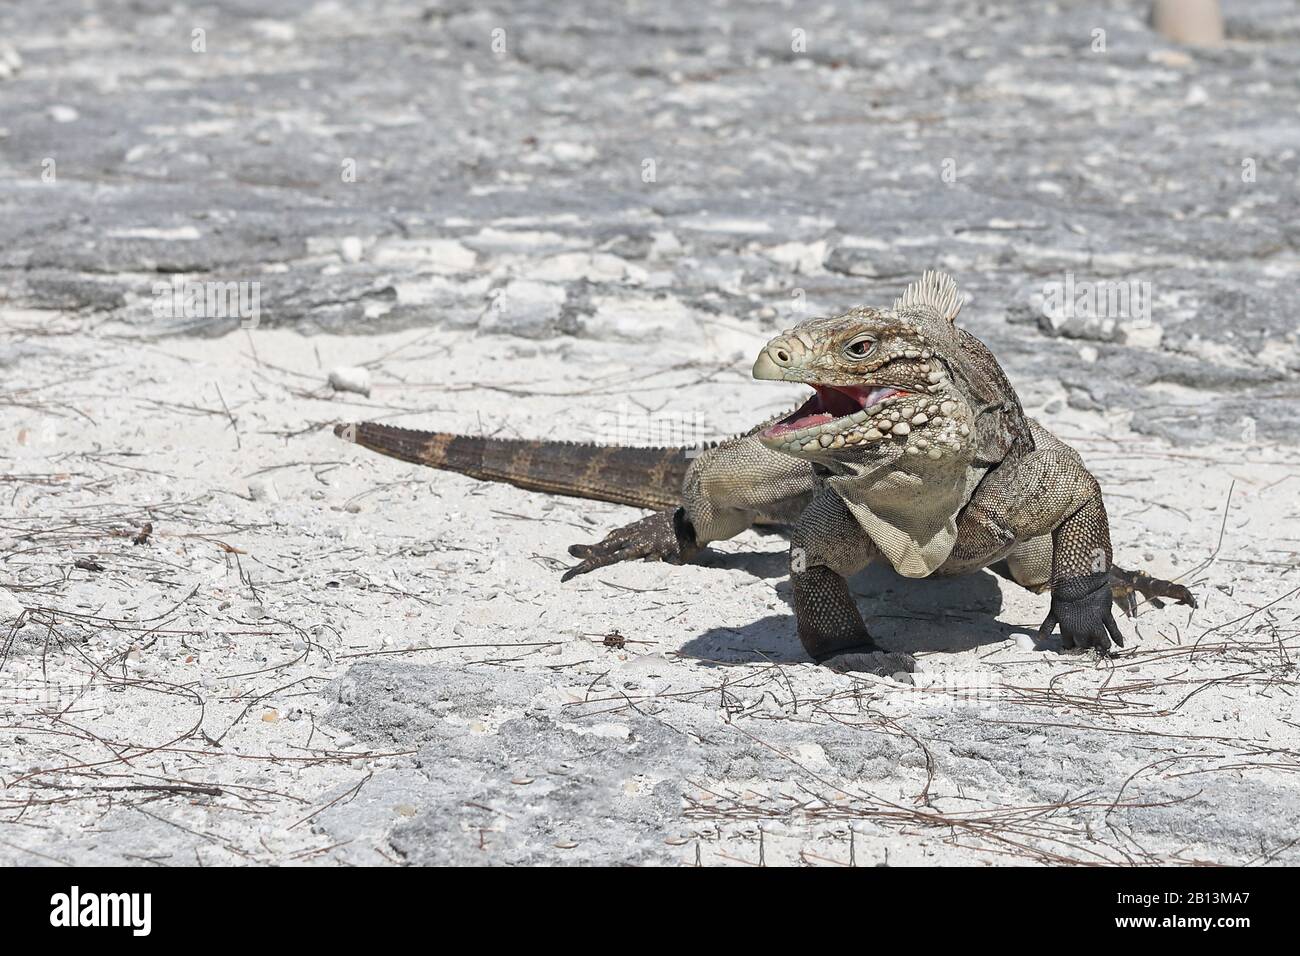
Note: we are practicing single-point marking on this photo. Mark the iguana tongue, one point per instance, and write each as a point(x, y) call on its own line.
point(799, 422)
point(829, 403)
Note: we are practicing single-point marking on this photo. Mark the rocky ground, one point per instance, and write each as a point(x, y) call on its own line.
point(226, 637)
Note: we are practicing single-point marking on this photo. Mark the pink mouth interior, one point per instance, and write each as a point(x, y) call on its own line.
point(830, 402)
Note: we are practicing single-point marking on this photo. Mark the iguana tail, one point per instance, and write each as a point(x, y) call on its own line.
point(641, 477)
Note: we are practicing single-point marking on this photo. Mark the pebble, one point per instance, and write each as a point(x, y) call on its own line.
point(10, 607)
point(350, 379)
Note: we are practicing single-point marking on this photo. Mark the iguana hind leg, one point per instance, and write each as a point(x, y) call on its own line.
point(1030, 566)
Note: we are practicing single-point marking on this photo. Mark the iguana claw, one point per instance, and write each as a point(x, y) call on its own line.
point(1082, 607)
point(662, 536)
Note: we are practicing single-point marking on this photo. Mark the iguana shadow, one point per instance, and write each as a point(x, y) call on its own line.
point(929, 615)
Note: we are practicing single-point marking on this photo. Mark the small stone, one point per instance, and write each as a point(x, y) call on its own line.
point(350, 249)
point(10, 608)
point(350, 379)
point(64, 114)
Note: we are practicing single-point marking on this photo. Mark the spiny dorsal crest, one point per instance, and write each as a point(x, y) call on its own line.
point(935, 289)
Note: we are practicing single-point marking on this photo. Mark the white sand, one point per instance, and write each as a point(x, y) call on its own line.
point(278, 554)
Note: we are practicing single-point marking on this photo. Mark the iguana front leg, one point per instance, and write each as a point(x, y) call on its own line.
point(1082, 602)
point(1045, 512)
point(662, 536)
point(1050, 492)
point(827, 545)
point(727, 489)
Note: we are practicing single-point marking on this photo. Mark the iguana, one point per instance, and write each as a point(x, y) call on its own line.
point(913, 450)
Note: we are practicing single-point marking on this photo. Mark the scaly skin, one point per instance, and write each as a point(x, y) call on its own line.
point(914, 451)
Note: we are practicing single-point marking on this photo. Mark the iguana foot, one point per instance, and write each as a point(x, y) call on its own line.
point(1082, 606)
point(1126, 585)
point(869, 659)
point(662, 536)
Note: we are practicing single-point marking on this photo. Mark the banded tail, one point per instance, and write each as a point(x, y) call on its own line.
point(641, 477)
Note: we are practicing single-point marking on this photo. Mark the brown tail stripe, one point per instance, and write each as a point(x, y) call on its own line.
point(642, 477)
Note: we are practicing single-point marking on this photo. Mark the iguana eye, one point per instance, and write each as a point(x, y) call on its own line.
point(860, 348)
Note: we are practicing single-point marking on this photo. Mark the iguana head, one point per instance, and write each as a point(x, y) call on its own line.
point(891, 384)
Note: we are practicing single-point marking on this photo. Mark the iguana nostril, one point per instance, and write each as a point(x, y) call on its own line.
point(782, 355)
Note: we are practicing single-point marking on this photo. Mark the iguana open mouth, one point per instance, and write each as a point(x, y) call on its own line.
point(830, 402)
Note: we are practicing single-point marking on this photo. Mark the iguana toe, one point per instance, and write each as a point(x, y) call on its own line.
point(1126, 585)
point(1082, 607)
